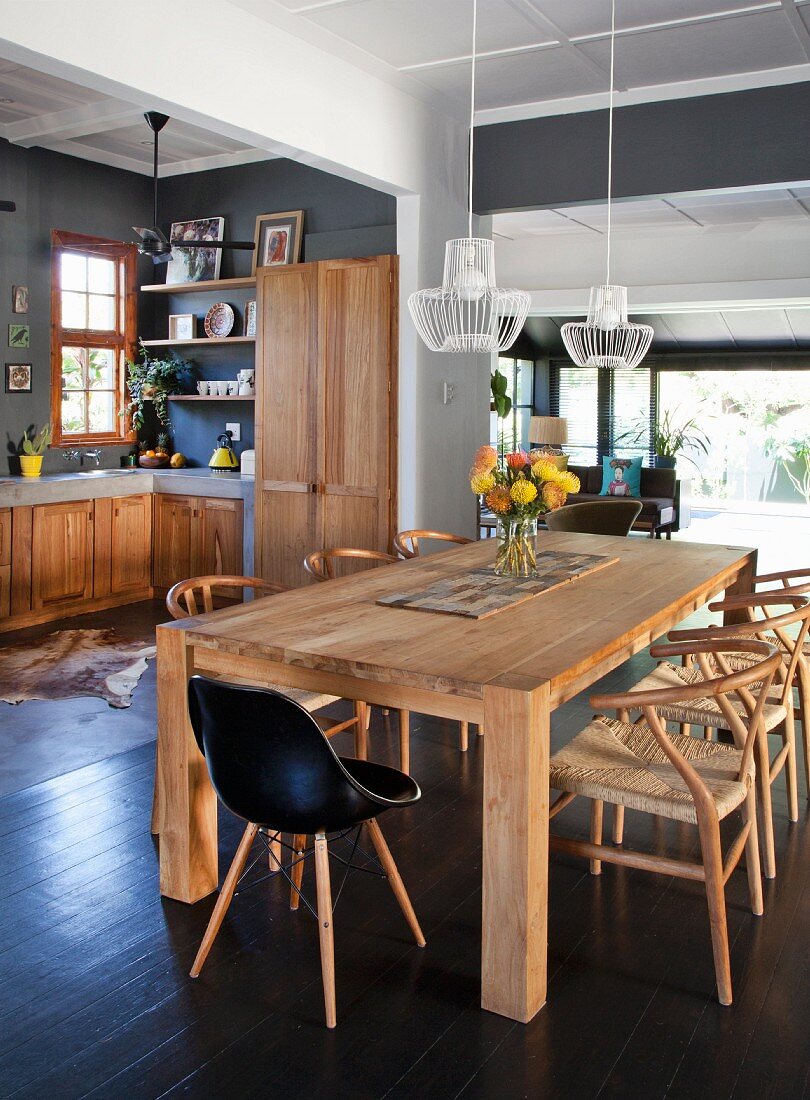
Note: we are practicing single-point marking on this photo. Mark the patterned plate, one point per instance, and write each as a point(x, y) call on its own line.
point(219, 320)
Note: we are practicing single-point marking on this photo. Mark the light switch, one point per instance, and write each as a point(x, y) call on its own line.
point(449, 392)
point(235, 430)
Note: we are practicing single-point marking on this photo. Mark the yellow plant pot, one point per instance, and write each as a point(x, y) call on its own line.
point(31, 465)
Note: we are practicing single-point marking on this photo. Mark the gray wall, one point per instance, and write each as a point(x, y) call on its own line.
point(53, 192)
point(739, 139)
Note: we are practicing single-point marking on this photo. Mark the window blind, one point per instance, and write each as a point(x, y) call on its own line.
point(602, 406)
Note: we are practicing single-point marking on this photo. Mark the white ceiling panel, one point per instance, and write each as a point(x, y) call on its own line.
point(799, 321)
point(743, 44)
point(586, 17)
point(178, 142)
point(26, 93)
point(751, 327)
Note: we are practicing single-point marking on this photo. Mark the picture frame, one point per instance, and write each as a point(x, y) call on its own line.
point(195, 265)
point(19, 299)
point(19, 336)
point(278, 239)
point(182, 326)
point(250, 317)
point(18, 377)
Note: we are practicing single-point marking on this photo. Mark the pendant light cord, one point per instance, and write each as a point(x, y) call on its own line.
point(472, 122)
point(610, 135)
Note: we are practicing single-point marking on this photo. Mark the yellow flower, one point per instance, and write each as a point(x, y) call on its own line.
point(523, 491)
point(553, 495)
point(499, 499)
point(482, 483)
point(568, 481)
point(544, 470)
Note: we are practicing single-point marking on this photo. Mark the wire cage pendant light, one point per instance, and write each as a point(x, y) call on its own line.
point(608, 339)
point(468, 312)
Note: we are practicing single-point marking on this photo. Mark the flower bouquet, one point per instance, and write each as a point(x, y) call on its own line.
point(518, 490)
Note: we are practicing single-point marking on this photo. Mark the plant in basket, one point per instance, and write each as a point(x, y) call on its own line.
point(518, 489)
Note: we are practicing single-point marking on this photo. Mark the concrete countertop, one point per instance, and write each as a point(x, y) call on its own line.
point(92, 484)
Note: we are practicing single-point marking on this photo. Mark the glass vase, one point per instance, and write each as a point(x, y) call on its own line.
point(516, 547)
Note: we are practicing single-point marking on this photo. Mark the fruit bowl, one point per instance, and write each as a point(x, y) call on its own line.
point(155, 463)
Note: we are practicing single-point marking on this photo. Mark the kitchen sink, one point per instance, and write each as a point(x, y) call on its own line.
point(104, 473)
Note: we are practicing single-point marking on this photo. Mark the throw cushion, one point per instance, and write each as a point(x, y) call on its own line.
point(621, 477)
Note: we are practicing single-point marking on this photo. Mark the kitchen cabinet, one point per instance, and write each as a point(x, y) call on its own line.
point(131, 545)
point(5, 562)
point(195, 536)
point(62, 554)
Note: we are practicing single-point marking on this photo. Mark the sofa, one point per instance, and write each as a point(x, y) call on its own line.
point(664, 507)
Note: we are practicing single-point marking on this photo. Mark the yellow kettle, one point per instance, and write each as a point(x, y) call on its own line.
point(223, 457)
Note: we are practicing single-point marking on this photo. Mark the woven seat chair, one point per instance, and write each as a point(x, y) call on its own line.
point(673, 775)
point(595, 517)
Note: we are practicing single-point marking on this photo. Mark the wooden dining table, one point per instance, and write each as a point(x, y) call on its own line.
point(507, 672)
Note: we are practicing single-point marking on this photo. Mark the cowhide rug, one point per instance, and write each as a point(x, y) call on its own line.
point(73, 663)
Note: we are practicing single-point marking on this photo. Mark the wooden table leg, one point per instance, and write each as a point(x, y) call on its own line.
point(741, 586)
point(188, 833)
point(515, 858)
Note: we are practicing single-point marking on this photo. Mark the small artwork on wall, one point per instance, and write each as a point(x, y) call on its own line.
point(19, 299)
point(195, 265)
point(250, 317)
point(278, 239)
point(18, 377)
point(182, 326)
point(18, 336)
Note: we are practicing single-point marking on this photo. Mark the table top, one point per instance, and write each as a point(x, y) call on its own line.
point(603, 617)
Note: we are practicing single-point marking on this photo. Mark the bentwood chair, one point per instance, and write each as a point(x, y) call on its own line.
point(595, 517)
point(676, 776)
point(406, 543)
point(195, 596)
point(271, 765)
point(322, 565)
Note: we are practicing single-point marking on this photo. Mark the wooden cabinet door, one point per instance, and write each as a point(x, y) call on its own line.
point(287, 435)
point(220, 536)
point(5, 562)
point(355, 397)
point(62, 554)
point(130, 544)
point(175, 545)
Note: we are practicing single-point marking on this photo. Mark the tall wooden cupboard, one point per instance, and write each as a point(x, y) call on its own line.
point(325, 411)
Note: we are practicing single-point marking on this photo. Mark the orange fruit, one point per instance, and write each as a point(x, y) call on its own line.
point(149, 454)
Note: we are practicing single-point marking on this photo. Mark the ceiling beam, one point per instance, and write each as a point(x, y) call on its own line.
point(797, 25)
point(73, 122)
point(217, 160)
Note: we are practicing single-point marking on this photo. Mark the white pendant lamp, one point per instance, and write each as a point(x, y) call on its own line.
point(607, 339)
point(468, 312)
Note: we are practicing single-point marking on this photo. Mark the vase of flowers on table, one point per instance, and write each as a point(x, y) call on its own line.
point(518, 489)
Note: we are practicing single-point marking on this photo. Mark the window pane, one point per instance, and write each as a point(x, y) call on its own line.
point(631, 411)
point(579, 400)
point(72, 374)
point(101, 369)
point(525, 382)
point(101, 411)
point(102, 313)
point(74, 271)
point(74, 310)
point(101, 276)
point(73, 408)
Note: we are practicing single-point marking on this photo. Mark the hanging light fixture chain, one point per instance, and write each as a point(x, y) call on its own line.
point(472, 122)
point(610, 135)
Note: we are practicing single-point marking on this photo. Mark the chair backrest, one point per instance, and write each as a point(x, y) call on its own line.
point(796, 580)
point(595, 517)
point(268, 760)
point(196, 593)
point(406, 543)
point(321, 563)
point(750, 685)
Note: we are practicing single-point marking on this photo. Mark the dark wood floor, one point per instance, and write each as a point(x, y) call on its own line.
point(95, 998)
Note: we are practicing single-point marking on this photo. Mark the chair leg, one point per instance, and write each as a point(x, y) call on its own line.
point(404, 741)
point(752, 867)
point(395, 880)
point(157, 807)
point(361, 713)
point(766, 809)
point(274, 852)
point(225, 895)
point(464, 736)
point(708, 733)
point(618, 824)
point(791, 774)
point(803, 685)
point(325, 930)
point(297, 873)
point(715, 896)
point(597, 810)
point(480, 731)
point(368, 714)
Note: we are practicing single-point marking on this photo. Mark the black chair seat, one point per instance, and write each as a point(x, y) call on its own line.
point(388, 783)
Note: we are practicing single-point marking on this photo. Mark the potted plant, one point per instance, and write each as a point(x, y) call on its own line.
point(33, 448)
point(152, 379)
point(790, 446)
point(670, 438)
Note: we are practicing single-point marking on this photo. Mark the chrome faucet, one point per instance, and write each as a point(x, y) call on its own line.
point(96, 454)
point(71, 455)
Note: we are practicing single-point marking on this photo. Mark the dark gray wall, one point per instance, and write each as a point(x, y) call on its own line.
point(53, 192)
point(739, 139)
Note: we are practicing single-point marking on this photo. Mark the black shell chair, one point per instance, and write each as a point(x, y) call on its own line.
point(271, 765)
point(612, 516)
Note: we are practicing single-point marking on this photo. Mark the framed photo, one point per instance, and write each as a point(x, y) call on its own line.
point(19, 299)
point(250, 317)
point(182, 326)
point(18, 377)
point(278, 239)
point(195, 265)
point(18, 336)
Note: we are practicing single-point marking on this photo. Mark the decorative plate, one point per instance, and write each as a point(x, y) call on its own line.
point(219, 320)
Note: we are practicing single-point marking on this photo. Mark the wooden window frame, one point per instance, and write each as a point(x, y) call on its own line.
point(123, 340)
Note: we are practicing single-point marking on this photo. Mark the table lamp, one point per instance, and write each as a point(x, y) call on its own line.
point(549, 433)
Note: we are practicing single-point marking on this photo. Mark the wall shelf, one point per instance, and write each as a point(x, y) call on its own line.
point(210, 397)
point(205, 286)
point(198, 340)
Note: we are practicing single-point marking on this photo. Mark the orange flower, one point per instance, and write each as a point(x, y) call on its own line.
point(486, 459)
point(553, 496)
point(517, 460)
point(499, 499)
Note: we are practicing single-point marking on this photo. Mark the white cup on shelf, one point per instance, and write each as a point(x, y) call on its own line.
point(202, 389)
point(222, 389)
point(233, 388)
